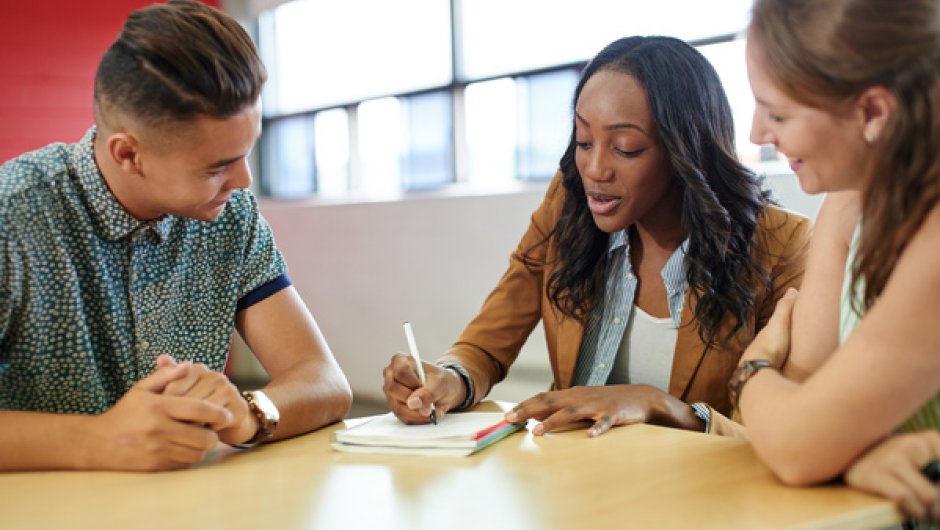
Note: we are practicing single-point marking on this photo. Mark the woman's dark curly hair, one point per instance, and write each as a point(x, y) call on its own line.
point(721, 199)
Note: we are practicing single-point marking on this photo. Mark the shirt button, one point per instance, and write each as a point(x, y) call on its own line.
point(617, 320)
point(144, 345)
point(630, 276)
point(602, 366)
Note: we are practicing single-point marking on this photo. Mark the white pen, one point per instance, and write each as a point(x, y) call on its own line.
point(410, 337)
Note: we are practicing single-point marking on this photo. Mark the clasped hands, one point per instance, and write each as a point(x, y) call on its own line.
point(171, 419)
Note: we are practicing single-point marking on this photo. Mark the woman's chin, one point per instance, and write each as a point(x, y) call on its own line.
point(608, 224)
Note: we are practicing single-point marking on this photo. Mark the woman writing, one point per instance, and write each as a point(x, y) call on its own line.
point(652, 261)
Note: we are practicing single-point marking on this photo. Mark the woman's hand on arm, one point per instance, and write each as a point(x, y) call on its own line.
point(606, 406)
point(410, 400)
point(893, 469)
point(772, 343)
point(815, 331)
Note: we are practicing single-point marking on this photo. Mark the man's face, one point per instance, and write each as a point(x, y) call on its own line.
point(193, 175)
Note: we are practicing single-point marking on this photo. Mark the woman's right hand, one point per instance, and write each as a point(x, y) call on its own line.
point(409, 400)
point(892, 469)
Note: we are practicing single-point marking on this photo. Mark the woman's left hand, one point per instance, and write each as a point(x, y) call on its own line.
point(773, 342)
point(606, 406)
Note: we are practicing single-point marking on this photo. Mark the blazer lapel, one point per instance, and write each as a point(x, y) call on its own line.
point(689, 352)
point(570, 334)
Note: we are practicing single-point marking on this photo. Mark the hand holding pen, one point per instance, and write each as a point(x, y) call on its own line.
point(410, 397)
point(413, 348)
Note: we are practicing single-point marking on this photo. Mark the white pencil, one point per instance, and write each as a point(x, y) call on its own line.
point(413, 347)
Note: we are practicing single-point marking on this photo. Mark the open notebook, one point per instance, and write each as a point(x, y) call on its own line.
point(456, 434)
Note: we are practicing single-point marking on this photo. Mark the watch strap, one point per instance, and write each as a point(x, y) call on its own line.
point(742, 374)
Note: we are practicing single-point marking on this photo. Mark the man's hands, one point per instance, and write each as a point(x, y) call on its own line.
point(606, 406)
point(170, 420)
point(213, 387)
point(148, 430)
point(410, 401)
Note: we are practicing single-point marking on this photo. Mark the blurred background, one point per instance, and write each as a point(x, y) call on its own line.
point(404, 144)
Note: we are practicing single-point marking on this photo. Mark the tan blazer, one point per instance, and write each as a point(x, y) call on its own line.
point(492, 341)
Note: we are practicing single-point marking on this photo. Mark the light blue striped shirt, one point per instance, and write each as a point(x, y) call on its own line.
point(607, 322)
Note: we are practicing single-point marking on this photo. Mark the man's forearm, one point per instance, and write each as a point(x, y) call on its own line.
point(308, 397)
point(40, 441)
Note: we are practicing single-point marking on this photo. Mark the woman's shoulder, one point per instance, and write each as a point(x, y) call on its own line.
point(783, 234)
point(555, 197)
point(782, 223)
point(775, 217)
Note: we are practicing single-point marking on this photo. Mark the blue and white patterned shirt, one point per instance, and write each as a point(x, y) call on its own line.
point(607, 322)
point(90, 296)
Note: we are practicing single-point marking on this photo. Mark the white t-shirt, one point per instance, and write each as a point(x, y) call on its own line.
point(646, 352)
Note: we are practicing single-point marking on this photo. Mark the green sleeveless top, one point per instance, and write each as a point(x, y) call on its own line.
point(928, 417)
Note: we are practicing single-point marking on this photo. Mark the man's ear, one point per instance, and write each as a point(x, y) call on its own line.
point(124, 150)
point(874, 108)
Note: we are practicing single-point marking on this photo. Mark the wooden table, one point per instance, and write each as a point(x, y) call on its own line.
point(639, 476)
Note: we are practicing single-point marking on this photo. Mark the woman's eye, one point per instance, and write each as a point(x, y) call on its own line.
point(630, 154)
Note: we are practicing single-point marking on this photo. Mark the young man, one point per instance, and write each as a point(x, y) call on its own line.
point(127, 258)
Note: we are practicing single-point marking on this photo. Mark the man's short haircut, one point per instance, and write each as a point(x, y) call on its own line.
point(177, 61)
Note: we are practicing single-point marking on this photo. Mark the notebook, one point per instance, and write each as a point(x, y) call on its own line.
point(456, 434)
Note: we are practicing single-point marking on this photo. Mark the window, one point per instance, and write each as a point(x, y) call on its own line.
point(368, 97)
point(287, 159)
point(380, 146)
point(545, 122)
point(323, 54)
point(491, 131)
point(331, 146)
point(728, 60)
point(499, 37)
point(428, 152)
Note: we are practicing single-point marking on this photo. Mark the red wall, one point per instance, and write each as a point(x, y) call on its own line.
point(49, 50)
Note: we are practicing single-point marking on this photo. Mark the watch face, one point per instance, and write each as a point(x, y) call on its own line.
point(269, 415)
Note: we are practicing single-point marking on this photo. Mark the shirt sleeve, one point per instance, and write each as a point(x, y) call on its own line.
point(11, 276)
point(263, 269)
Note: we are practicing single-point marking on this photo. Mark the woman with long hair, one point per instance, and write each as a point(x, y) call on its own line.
point(653, 260)
point(849, 90)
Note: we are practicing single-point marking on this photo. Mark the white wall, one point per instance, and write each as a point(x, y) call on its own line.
point(365, 268)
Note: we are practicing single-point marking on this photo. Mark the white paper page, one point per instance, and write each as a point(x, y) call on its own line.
point(454, 427)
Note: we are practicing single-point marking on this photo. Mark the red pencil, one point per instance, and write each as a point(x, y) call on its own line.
point(489, 430)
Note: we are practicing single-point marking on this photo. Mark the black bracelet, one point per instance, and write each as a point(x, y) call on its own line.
point(467, 383)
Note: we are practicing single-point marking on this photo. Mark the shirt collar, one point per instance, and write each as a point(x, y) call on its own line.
point(114, 222)
point(616, 240)
point(673, 272)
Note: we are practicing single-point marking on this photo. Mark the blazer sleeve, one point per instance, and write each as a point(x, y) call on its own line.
point(787, 246)
point(725, 426)
point(492, 341)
